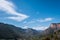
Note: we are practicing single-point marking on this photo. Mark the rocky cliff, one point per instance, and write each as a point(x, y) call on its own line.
point(53, 28)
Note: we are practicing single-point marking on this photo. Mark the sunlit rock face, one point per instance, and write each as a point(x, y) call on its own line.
point(58, 26)
point(55, 26)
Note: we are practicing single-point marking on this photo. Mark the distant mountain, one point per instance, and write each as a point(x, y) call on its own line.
point(8, 31)
point(32, 32)
point(11, 31)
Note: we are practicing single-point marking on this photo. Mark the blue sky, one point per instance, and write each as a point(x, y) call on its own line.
point(36, 14)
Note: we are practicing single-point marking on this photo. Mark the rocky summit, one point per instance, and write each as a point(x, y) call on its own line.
point(55, 26)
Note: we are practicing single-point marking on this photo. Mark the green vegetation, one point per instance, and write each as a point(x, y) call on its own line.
point(54, 36)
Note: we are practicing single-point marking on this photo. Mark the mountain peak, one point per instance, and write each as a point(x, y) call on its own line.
point(55, 26)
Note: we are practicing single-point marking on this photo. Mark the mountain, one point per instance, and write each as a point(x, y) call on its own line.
point(11, 31)
point(8, 31)
point(54, 36)
point(53, 27)
point(32, 32)
point(51, 33)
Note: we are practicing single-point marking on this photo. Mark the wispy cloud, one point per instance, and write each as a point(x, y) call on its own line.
point(36, 27)
point(39, 28)
point(25, 27)
point(9, 8)
point(45, 20)
point(34, 24)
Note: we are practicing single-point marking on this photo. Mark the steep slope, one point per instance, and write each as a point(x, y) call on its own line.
point(52, 33)
point(54, 36)
point(32, 32)
point(53, 27)
point(10, 31)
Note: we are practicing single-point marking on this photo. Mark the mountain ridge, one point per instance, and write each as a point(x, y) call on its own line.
point(12, 31)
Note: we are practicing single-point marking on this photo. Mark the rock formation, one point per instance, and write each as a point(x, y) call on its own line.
point(53, 28)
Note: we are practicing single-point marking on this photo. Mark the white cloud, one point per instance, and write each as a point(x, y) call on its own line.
point(39, 28)
point(17, 18)
point(25, 27)
point(9, 8)
point(45, 20)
